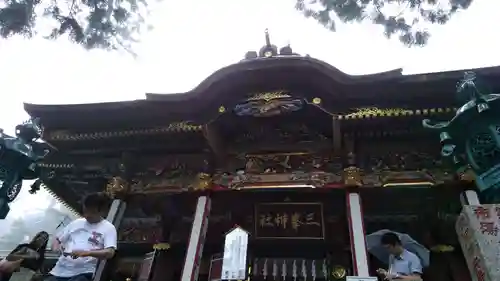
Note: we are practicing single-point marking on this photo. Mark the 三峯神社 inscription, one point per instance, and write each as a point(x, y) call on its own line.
point(289, 221)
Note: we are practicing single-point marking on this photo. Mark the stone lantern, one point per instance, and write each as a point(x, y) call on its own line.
point(472, 138)
point(18, 156)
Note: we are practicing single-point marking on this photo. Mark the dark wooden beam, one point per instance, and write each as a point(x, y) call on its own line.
point(336, 136)
point(266, 147)
point(215, 142)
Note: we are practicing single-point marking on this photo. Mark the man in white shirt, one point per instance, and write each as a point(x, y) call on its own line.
point(84, 242)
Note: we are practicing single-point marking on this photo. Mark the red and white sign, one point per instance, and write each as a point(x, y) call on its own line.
point(478, 232)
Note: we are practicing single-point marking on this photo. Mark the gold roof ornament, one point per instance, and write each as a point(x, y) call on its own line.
point(268, 96)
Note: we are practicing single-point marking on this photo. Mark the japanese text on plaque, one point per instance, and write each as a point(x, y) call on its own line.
point(289, 221)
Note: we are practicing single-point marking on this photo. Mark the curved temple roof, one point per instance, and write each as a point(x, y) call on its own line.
point(305, 76)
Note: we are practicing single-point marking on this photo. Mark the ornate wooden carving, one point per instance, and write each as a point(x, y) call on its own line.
point(267, 135)
point(287, 170)
point(352, 176)
point(117, 187)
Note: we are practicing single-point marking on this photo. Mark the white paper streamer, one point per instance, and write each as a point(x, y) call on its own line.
point(275, 270)
point(313, 269)
point(283, 270)
point(294, 270)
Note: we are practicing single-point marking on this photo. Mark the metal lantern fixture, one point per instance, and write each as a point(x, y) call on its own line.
point(472, 137)
point(18, 156)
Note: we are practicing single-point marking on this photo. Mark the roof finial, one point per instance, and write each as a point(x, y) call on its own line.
point(268, 40)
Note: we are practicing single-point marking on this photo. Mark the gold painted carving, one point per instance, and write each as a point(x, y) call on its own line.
point(183, 126)
point(467, 175)
point(338, 272)
point(116, 186)
point(375, 111)
point(268, 96)
point(442, 249)
point(202, 181)
point(161, 246)
point(352, 176)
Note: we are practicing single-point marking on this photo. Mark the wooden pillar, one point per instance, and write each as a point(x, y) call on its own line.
point(196, 240)
point(336, 135)
point(215, 142)
point(115, 216)
point(469, 197)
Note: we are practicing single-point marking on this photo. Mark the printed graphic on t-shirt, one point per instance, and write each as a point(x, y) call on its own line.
point(95, 238)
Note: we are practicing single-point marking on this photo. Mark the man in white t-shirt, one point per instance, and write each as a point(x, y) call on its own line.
point(84, 242)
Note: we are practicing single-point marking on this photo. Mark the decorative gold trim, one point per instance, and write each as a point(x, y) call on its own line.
point(268, 96)
point(442, 249)
point(161, 246)
point(316, 101)
point(374, 112)
point(184, 126)
point(416, 183)
point(277, 154)
point(202, 181)
point(284, 185)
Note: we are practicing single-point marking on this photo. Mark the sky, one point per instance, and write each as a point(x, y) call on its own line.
point(193, 38)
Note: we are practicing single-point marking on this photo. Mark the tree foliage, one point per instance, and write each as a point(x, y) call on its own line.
point(110, 24)
point(406, 19)
point(116, 24)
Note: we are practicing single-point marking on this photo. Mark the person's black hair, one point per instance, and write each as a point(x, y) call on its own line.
point(40, 248)
point(35, 239)
point(97, 201)
point(390, 238)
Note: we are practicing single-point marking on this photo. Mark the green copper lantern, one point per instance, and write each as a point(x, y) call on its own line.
point(472, 137)
point(18, 156)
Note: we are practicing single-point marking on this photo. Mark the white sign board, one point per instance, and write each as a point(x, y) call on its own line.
point(360, 278)
point(234, 263)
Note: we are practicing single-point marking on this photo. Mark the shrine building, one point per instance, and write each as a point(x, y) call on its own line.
point(304, 157)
